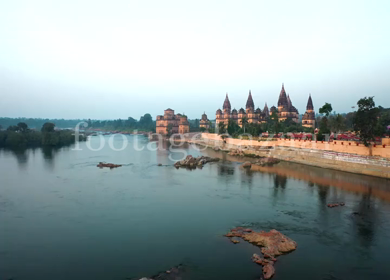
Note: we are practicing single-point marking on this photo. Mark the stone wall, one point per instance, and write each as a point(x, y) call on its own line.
point(335, 146)
point(373, 161)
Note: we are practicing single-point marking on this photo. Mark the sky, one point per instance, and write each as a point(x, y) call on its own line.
point(116, 59)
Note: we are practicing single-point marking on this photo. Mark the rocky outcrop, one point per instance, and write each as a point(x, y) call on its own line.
point(267, 161)
point(272, 243)
point(109, 165)
point(246, 164)
point(193, 162)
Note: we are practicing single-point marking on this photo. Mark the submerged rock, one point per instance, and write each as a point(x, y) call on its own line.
point(109, 165)
point(193, 162)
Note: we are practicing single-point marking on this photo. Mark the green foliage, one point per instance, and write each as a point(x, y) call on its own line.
point(169, 129)
point(274, 122)
point(337, 123)
point(383, 122)
point(221, 128)
point(232, 127)
point(202, 129)
point(20, 136)
point(47, 127)
point(366, 119)
point(326, 109)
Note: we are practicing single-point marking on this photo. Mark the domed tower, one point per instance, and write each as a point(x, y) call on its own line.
point(266, 111)
point(184, 126)
point(283, 101)
point(309, 118)
point(235, 116)
point(218, 116)
point(204, 121)
point(249, 103)
point(226, 109)
point(258, 114)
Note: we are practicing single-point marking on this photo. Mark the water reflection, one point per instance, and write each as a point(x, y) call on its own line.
point(21, 157)
point(225, 170)
point(49, 154)
point(365, 218)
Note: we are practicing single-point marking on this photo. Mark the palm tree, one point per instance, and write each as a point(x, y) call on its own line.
point(244, 121)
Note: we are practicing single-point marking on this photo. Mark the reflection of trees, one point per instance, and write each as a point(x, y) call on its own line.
point(365, 218)
point(280, 181)
point(323, 191)
point(21, 157)
point(49, 155)
point(225, 170)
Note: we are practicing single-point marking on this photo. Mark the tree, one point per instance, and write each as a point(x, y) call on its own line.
point(48, 127)
point(169, 129)
point(22, 127)
point(244, 122)
point(326, 109)
point(275, 122)
point(221, 128)
point(202, 129)
point(233, 127)
point(366, 119)
point(337, 123)
point(383, 123)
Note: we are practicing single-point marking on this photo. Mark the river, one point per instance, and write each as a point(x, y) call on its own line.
point(61, 217)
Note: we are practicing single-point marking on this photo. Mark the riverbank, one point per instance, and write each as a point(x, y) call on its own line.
point(338, 155)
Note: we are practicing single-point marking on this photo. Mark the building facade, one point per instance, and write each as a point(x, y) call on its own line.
point(204, 122)
point(251, 114)
point(285, 108)
point(172, 123)
point(309, 118)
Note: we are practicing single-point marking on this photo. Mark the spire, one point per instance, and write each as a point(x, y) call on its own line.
point(289, 101)
point(282, 97)
point(265, 110)
point(309, 103)
point(249, 102)
point(226, 103)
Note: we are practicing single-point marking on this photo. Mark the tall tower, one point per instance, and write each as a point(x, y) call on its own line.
point(309, 118)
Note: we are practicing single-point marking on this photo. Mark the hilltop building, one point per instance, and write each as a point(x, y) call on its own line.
point(204, 122)
point(177, 123)
point(309, 118)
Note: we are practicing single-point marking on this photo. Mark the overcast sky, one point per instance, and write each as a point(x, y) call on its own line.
point(115, 59)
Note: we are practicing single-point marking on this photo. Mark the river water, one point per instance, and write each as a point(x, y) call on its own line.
point(61, 217)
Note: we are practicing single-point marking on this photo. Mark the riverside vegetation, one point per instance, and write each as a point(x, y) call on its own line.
point(20, 136)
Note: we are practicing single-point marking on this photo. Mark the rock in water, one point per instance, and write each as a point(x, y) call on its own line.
point(273, 243)
point(193, 162)
point(268, 271)
point(247, 164)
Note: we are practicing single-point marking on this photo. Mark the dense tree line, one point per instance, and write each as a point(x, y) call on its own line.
point(21, 136)
point(145, 123)
point(37, 123)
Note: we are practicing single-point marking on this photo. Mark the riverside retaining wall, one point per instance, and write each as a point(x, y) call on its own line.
point(339, 155)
